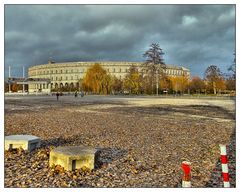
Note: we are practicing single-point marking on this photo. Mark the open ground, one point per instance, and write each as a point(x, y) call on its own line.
point(142, 140)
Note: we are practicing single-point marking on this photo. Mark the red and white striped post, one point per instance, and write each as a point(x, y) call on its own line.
point(225, 173)
point(186, 180)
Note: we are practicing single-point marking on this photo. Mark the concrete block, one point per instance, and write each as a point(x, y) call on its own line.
point(27, 142)
point(74, 157)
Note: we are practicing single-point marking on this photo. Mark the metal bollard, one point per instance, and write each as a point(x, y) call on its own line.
point(225, 173)
point(186, 180)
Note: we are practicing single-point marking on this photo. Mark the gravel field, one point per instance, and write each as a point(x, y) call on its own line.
point(142, 140)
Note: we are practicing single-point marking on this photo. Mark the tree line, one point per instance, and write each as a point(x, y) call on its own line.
point(154, 81)
point(98, 81)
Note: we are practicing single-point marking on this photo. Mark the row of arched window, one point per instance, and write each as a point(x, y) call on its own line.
point(56, 85)
point(60, 85)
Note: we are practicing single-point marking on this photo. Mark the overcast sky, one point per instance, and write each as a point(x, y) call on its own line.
point(193, 36)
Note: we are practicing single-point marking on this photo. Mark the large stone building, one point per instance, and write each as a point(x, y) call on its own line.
point(69, 74)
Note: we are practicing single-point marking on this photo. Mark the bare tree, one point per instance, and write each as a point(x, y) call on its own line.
point(154, 64)
point(232, 68)
point(231, 77)
point(154, 54)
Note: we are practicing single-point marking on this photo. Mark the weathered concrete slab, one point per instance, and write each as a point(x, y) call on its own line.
point(74, 157)
point(27, 142)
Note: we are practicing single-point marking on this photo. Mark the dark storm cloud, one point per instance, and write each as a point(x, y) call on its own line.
point(194, 36)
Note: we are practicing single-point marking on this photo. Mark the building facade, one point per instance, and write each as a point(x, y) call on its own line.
point(36, 84)
point(69, 74)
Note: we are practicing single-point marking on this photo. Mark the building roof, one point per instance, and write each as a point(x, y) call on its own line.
point(22, 79)
point(122, 63)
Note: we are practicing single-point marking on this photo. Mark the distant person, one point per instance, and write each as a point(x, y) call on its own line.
point(82, 94)
point(76, 94)
point(57, 94)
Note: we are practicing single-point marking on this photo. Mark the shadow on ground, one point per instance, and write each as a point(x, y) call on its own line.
point(204, 110)
point(16, 106)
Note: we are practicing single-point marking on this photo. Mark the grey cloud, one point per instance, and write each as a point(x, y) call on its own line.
point(194, 36)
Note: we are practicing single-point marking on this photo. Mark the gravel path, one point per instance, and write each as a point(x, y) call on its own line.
point(142, 143)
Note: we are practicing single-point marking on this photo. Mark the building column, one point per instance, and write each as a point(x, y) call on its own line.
point(9, 87)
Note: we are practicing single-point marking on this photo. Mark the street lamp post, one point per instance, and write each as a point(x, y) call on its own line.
point(23, 81)
point(157, 82)
point(9, 75)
